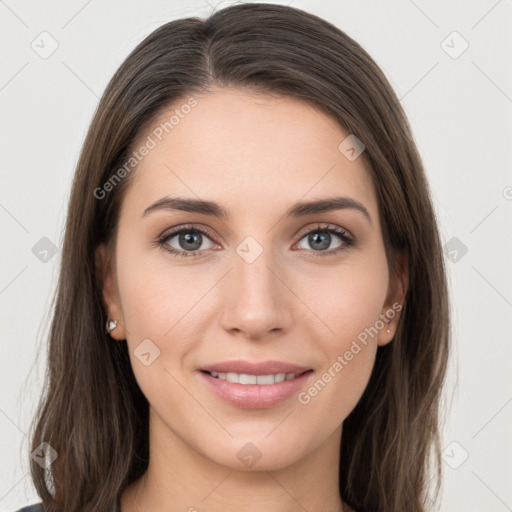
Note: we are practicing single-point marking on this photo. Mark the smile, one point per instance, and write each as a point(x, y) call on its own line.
point(246, 378)
point(264, 388)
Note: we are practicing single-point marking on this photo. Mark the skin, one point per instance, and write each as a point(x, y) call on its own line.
point(255, 155)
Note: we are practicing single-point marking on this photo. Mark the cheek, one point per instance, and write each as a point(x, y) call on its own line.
point(156, 307)
point(336, 391)
point(157, 297)
point(348, 355)
point(348, 298)
point(350, 302)
point(163, 312)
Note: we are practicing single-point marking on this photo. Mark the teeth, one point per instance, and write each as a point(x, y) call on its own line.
point(265, 379)
point(245, 378)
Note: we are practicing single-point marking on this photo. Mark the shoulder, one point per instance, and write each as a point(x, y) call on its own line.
point(36, 507)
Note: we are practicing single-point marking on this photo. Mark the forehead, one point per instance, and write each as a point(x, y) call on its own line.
point(247, 151)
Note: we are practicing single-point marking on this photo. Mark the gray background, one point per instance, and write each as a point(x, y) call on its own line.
point(459, 106)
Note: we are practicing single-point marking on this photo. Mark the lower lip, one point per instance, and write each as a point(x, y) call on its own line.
point(255, 396)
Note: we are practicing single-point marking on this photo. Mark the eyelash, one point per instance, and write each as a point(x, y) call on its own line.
point(347, 239)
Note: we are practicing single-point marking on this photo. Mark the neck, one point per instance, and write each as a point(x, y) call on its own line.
point(179, 478)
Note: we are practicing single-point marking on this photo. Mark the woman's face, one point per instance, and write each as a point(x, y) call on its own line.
point(263, 294)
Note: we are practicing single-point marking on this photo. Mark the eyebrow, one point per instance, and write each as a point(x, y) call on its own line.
point(300, 209)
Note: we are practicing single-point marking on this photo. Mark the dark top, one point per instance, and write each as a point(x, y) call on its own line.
point(38, 508)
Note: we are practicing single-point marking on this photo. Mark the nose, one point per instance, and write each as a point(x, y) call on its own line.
point(258, 304)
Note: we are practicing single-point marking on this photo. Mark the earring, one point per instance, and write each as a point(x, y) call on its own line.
point(110, 326)
point(388, 330)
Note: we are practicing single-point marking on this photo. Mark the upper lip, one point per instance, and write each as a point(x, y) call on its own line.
point(252, 368)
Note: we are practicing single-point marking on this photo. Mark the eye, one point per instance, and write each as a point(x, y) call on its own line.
point(320, 239)
point(188, 239)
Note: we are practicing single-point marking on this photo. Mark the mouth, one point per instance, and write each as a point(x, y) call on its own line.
point(250, 379)
point(255, 386)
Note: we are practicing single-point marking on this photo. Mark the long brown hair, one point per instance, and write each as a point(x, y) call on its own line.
point(92, 411)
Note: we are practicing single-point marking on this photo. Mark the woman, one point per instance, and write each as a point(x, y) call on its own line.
point(252, 307)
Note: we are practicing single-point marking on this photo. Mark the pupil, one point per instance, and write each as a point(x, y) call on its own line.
point(189, 238)
point(323, 238)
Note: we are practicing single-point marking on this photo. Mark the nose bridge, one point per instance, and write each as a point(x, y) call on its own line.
point(255, 282)
point(258, 301)
point(252, 272)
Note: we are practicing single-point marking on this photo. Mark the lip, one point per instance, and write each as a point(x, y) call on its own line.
point(255, 396)
point(262, 368)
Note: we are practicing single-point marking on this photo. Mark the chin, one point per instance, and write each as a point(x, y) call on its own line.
point(257, 453)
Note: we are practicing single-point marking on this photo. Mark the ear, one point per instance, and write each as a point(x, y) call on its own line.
point(397, 291)
point(106, 280)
